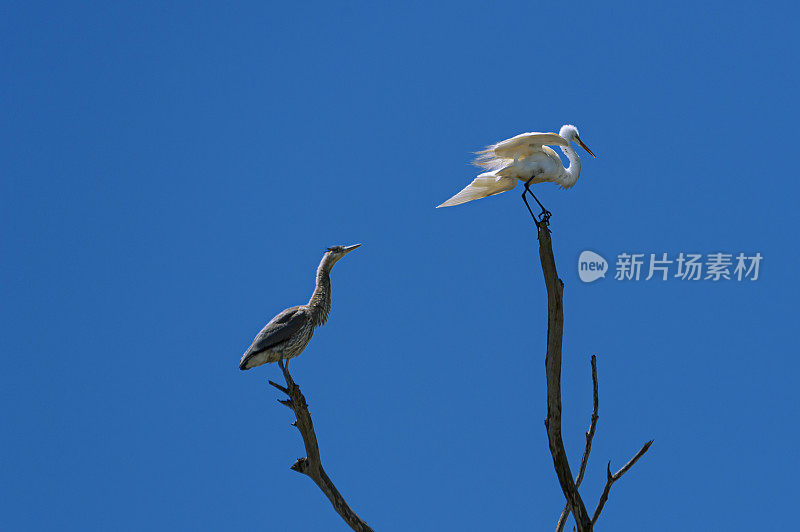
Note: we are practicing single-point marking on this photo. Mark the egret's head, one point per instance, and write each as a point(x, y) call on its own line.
point(570, 132)
point(335, 253)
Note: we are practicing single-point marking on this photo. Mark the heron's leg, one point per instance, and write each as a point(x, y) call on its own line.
point(291, 387)
point(285, 369)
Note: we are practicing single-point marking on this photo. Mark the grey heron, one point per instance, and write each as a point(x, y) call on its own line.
point(288, 333)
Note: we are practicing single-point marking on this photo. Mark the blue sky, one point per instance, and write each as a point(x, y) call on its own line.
point(171, 175)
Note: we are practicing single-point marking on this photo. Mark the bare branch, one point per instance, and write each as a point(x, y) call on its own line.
point(555, 327)
point(562, 520)
point(311, 465)
point(278, 386)
point(555, 331)
point(610, 479)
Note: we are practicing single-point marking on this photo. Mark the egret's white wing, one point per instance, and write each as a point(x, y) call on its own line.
point(522, 145)
point(484, 185)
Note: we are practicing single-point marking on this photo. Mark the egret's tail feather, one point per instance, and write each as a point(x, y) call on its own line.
point(488, 160)
point(486, 184)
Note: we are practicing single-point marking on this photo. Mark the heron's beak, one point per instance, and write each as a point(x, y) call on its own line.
point(348, 249)
point(585, 147)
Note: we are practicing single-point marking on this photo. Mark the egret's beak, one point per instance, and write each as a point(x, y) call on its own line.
point(585, 147)
point(348, 249)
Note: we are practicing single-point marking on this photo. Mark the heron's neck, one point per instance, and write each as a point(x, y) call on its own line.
point(320, 302)
point(573, 171)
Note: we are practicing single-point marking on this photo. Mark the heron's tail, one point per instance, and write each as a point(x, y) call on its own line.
point(486, 184)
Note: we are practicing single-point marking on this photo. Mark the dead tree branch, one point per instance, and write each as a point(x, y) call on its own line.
point(615, 477)
point(555, 331)
point(562, 520)
point(311, 465)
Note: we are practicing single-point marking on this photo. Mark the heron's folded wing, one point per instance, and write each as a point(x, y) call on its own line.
point(484, 185)
point(280, 328)
point(525, 144)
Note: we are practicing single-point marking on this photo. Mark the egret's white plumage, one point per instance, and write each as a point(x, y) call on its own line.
point(521, 158)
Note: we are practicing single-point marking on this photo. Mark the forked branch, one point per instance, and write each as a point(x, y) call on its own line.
point(562, 520)
point(555, 329)
point(311, 465)
point(615, 477)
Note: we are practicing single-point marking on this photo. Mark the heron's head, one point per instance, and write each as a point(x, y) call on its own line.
point(334, 253)
point(570, 132)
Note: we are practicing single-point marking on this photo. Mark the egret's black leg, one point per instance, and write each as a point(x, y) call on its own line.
point(544, 216)
point(529, 207)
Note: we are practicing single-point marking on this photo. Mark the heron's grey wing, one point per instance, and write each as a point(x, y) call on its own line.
point(279, 329)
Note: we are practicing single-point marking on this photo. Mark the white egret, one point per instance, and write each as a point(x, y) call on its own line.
point(525, 158)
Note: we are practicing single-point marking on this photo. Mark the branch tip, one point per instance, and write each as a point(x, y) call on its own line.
point(278, 386)
point(300, 465)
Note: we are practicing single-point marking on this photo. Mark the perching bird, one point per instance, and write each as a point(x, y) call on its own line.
point(524, 158)
point(288, 333)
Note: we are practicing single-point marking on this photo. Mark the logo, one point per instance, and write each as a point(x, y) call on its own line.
point(591, 266)
point(683, 266)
